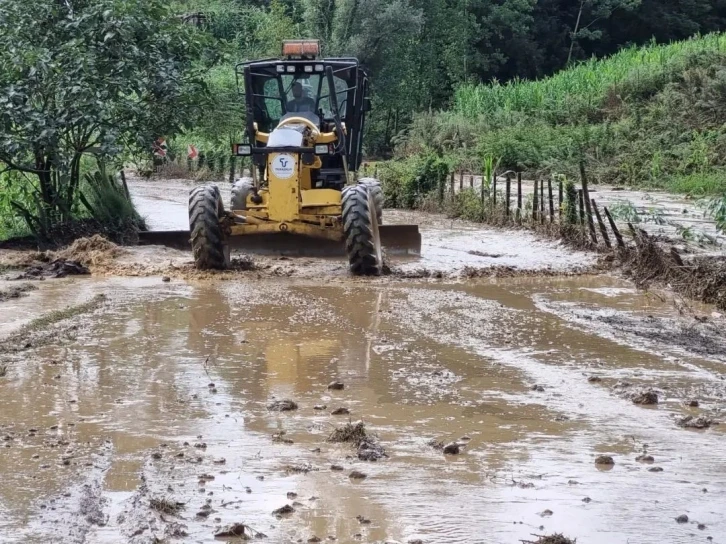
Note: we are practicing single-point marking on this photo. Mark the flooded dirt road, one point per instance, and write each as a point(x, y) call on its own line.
point(153, 418)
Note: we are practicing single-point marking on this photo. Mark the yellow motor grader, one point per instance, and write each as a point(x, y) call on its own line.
point(305, 123)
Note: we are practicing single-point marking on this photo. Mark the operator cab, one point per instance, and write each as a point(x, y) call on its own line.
point(330, 93)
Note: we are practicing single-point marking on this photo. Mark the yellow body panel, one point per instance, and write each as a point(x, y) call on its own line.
point(283, 180)
point(320, 198)
point(329, 232)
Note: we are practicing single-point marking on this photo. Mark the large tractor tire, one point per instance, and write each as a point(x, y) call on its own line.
point(375, 186)
point(360, 226)
point(209, 246)
point(241, 189)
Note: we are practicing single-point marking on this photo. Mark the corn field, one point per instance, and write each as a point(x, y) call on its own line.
point(584, 87)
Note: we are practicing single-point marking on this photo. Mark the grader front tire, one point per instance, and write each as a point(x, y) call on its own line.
point(207, 238)
point(360, 225)
point(375, 186)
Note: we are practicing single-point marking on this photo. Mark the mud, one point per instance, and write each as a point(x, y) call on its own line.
point(16, 291)
point(178, 378)
point(163, 410)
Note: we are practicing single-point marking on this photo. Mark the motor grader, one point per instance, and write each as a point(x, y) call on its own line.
point(304, 137)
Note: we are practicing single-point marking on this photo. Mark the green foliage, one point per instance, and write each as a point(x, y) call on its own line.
point(107, 77)
point(106, 200)
point(406, 183)
point(570, 202)
point(717, 210)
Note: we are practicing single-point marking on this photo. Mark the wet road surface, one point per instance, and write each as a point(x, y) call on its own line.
point(530, 375)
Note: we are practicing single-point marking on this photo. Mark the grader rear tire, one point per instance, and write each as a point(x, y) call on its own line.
point(360, 226)
point(208, 240)
point(375, 186)
point(241, 189)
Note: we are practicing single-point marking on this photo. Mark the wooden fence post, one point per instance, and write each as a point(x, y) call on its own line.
point(603, 230)
point(535, 202)
point(451, 184)
point(509, 194)
point(542, 213)
point(552, 204)
point(471, 181)
point(461, 180)
point(519, 197)
point(494, 191)
point(582, 207)
point(560, 197)
point(613, 226)
point(586, 195)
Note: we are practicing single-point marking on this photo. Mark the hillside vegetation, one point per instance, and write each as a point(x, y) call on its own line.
point(650, 116)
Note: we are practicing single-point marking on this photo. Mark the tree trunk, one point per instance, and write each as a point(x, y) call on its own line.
point(577, 29)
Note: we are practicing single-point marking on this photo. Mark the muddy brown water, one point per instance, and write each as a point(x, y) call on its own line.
point(124, 412)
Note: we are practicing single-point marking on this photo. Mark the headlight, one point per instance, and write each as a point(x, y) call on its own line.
point(243, 150)
point(321, 149)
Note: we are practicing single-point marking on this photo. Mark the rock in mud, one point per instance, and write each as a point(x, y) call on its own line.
point(368, 450)
point(693, 403)
point(357, 475)
point(644, 397)
point(645, 459)
point(683, 518)
point(538, 388)
point(239, 530)
point(655, 469)
point(362, 520)
point(701, 526)
point(336, 386)
point(452, 449)
point(336, 468)
point(282, 406)
point(320, 407)
point(436, 444)
point(314, 539)
point(594, 379)
point(283, 511)
point(340, 412)
point(690, 422)
point(604, 460)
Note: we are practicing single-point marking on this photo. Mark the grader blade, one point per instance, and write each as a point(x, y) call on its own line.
point(395, 239)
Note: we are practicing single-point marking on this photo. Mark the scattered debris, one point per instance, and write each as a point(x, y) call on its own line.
point(340, 412)
point(59, 268)
point(241, 531)
point(298, 469)
point(452, 449)
point(279, 438)
point(547, 513)
point(701, 526)
point(336, 386)
point(644, 397)
point(683, 518)
point(690, 422)
point(358, 475)
point(166, 506)
point(3, 371)
point(166, 279)
point(355, 433)
point(362, 520)
point(282, 406)
point(587, 500)
point(604, 460)
point(336, 468)
point(538, 388)
point(655, 469)
point(283, 511)
point(320, 407)
point(314, 539)
point(16, 291)
point(552, 539)
point(594, 379)
point(436, 444)
point(693, 403)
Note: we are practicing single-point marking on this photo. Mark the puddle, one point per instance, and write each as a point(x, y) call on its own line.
point(164, 395)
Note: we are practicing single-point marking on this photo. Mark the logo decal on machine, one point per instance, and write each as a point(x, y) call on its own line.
point(283, 166)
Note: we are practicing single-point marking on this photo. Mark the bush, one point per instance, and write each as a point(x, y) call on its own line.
point(408, 181)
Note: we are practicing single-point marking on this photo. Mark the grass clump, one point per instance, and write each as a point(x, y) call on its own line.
point(354, 433)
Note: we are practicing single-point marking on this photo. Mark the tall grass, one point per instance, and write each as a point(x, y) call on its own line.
point(578, 90)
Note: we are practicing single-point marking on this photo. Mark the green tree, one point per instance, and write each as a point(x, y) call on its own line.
point(84, 77)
